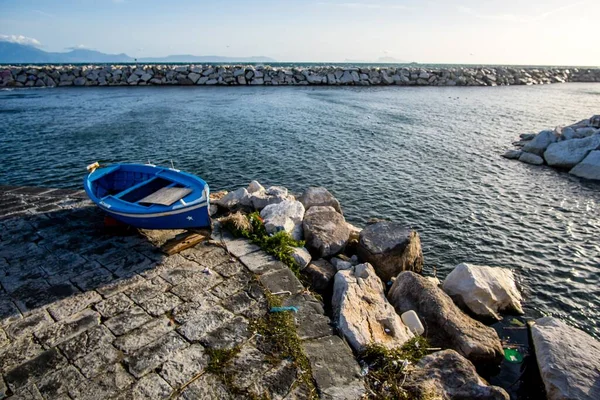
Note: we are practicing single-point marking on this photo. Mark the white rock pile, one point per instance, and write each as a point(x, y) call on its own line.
point(236, 75)
point(352, 277)
point(575, 148)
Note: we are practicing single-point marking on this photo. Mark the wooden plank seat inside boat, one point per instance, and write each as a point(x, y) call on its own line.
point(143, 189)
point(166, 196)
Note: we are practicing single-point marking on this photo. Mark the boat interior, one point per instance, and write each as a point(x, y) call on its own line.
point(138, 187)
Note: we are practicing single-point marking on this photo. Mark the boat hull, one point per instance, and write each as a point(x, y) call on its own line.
point(183, 219)
point(142, 196)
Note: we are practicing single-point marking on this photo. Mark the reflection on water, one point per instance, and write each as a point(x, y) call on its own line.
point(428, 157)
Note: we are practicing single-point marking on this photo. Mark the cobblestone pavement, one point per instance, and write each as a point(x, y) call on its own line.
point(87, 314)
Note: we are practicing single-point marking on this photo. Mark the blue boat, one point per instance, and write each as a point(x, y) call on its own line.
point(150, 197)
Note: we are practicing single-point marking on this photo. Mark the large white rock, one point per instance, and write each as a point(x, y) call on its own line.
point(237, 198)
point(284, 216)
point(540, 143)
point(568, 358)
point(484, 290)
point(361, 311)
point(589, 168)
point(273, 195)
point(568, 153)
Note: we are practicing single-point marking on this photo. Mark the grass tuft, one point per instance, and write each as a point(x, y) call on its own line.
point(280, 245)
point(236, 223)
point(388, 368)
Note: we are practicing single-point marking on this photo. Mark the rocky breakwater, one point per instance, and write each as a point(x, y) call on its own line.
point(369, 278)
point(353, 268)
point(241, 75)
point(574, 148)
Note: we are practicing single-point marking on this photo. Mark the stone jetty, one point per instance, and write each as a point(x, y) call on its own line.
point(241, 75)
point(86, 313)
point(574, 148)
point(89, 310)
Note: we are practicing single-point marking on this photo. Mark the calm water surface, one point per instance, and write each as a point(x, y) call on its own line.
point(428, 157)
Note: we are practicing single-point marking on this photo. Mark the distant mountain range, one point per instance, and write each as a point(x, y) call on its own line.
point(15, 53)
point(200, 59)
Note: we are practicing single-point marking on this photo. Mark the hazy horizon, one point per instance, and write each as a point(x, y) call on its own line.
point(427, 32)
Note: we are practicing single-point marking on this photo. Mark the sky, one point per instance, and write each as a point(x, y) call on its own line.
point(522, 32)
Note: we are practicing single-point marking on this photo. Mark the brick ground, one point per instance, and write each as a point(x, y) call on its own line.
point(87, 314)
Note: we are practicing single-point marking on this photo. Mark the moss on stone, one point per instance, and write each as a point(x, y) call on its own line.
point(277, 337)
point(276, 332)
point(220, 358)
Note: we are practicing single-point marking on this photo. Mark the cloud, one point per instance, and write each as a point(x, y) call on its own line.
point(518, 18)
point(79, 47)
point(20, 39)
point(363, 6)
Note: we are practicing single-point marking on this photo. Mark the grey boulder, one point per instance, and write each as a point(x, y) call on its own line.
point(391, 248)
point(568, 358)
point(527, 136)
point(320, 274)
point(540, 143)
point(319, 196)
point(301, 256)
point(448, 375)
point(530, 158)
point(512, 154)
point(445, 324)
point(589, 168)
point(325, 231)
point(568, 133)
point(568, 153)
point(585, 132)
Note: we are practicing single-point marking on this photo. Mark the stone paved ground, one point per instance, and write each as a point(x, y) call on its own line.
point(87, 314)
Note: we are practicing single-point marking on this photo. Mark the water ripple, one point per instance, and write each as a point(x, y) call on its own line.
point(428, 157)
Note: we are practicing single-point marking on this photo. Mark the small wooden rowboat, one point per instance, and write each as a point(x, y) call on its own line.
point(151, 197)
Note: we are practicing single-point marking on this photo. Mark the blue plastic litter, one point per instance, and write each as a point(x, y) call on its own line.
point(283, 309)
